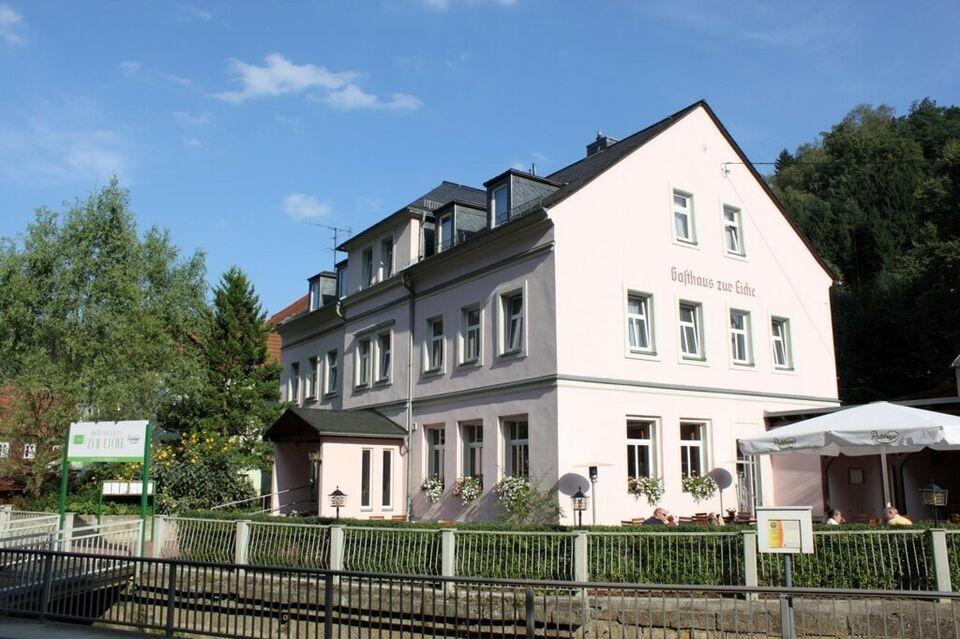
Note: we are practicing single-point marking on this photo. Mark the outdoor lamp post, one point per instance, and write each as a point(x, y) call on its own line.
point(935, 498)
point(579, 505)
point(338, 500)
point(594, 473)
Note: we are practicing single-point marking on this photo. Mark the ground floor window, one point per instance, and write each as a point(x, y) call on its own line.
point(641, 450)
point(472, 435)
point(517, 462)
point(365, 459)
point(436, 445)
point(387, 479)
point(692, 441)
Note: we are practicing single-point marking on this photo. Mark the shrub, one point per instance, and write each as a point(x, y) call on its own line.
point(433, 488)
point(524, 502)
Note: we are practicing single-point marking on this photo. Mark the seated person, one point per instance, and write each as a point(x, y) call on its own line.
point(892, 517)
point(660, 517)
point(835, 517)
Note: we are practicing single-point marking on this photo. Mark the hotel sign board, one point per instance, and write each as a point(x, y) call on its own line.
point(107, 441)
point(787, 530)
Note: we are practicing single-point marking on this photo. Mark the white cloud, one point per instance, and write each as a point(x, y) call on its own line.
point(130, 67)
point(192, 143)
point(443, 5)
point(188, 119)
point(40, 152)
point(189, 13)
point(301, 206)
point(179, 79)
point(352, 97)
point(10, 23)
point(278, 76)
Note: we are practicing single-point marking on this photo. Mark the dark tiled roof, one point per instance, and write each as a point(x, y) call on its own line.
point(448, 191)
point(295, 423)
point(582, 172)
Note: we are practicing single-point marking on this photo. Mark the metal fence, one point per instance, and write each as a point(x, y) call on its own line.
point(508, 554)
point(867, 559)
point(667, 557)
point(201, 598)
point(399, 550)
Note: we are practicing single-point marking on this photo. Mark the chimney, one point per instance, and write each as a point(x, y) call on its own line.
point(601, 143)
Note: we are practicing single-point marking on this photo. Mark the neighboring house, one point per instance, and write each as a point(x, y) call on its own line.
point(638, 310)
point(273, 340)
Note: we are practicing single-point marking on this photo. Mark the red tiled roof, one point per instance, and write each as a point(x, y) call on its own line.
point(273, 340)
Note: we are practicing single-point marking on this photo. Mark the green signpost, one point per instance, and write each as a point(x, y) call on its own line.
point(126, 441)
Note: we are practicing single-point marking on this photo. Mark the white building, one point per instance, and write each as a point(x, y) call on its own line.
point(638, 310)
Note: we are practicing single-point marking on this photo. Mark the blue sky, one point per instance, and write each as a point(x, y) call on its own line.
point(233, 123)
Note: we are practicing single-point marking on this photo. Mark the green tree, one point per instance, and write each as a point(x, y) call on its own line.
point(235, 398)
point(95, 323)
point(879, 196)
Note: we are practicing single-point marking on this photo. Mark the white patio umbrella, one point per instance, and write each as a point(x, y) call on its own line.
point(870, 429)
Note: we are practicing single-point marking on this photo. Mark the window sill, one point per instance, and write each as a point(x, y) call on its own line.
point(692, 244)
point(647, 355)
point(381, 382)
point(785, 370)
point(472, 363)
point(694, 361)
point(433, 372)
point(741, 257)
point(361, 387)
point(310, 398)
point(743, 366)
point(330, 395)
point(514, 354)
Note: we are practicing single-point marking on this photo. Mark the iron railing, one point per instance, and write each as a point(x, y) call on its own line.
point(177, 597)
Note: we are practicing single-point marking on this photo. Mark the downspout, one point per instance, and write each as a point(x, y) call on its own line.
point(407, 284)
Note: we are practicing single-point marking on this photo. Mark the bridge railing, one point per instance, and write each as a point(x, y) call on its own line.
point(184, 598)
point(119, 538)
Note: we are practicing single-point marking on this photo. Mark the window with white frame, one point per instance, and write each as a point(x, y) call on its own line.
point(383, 357)
point(511, 324)
point(4, 450)
point(342, 281)
point(293, 383)
point(434, 352)
point(386, 258)
point(363, 361)
point(470, 335)
point(29, 451)
point(683, 223)
point(692, 448)
point(315, 296)
point(501, 207)
point(517, 449)
point(387, 484)
point(332, 372)
point(691, 342)
point(311, 387)
point(639, 323)
point(472, 437)
point(366, 459)
point(740, 343)
point(641, 448)
point(780, 341)
point(445, 232)
point(733, 231)
point(366, 261)
point(436, 448)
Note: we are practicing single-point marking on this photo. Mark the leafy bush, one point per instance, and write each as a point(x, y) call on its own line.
point(525, 502)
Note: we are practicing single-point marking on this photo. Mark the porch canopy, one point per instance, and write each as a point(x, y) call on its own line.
point(869, 429)
point(309, 424)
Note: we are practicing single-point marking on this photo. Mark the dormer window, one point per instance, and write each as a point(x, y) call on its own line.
point(316, 299)
point(386, 258)
point(367, 262)
point(445, 236)
point(500, 202)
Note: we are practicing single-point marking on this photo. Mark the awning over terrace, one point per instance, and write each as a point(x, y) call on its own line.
point(309, 424)
point(871, 429)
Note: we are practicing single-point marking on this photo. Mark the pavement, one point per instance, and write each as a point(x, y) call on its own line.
point(30, 629)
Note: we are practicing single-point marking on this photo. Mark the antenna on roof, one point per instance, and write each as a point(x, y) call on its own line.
point(335, 232)
point(533, 168)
